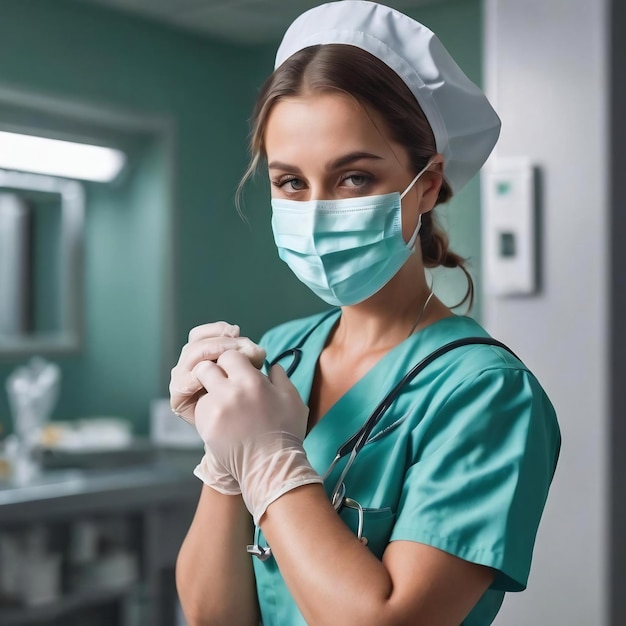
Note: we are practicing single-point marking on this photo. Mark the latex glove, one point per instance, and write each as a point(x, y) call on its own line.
point(212, 473)
point(254, 426)
point(208, 342)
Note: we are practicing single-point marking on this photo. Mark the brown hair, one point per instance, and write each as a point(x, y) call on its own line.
point(371, 82)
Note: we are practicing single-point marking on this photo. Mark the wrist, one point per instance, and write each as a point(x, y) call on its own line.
point(213, 474)
point(278, 465)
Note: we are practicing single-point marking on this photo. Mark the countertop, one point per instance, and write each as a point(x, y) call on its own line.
point(60, 492)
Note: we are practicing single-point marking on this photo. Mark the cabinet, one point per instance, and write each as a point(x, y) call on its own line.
point(145, 510)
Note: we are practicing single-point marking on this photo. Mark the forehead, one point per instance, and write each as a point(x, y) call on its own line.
point(319, 126)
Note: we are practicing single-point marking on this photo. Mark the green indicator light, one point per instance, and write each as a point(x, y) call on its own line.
point(503, 188)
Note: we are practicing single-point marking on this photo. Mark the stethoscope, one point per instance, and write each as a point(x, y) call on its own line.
point(355, 444)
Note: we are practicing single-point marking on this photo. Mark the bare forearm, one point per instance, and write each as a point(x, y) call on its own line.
point(214, 573)
point(330, 573)
point(324, 565)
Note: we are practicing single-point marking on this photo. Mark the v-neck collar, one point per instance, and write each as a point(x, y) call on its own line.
point(304, 373)
point(351, 410)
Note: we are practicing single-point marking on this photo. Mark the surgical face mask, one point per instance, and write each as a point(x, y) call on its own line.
point(343, 250)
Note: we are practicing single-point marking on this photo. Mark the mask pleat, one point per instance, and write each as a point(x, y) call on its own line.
point(344, 250)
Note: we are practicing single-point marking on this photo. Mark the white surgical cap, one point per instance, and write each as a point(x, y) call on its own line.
point(464, 124)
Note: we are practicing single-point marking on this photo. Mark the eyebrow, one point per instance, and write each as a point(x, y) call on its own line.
point(333, 165)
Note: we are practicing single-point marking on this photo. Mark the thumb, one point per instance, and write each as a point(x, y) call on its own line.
point(278, 377)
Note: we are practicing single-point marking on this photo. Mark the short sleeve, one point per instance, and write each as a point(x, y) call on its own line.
point(477, 484)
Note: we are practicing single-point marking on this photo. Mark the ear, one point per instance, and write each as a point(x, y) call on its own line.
point(431, 181)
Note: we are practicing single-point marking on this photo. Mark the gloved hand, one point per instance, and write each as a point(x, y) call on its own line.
point(208, 342)
point(212, 473)
point(254, 426)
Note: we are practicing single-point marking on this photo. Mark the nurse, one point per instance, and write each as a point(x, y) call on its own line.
point(366, 125)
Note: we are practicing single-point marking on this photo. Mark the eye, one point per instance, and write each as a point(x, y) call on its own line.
point(357, 181)
point(290, 184)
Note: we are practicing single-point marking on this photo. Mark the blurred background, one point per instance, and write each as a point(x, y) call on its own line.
point(103, 273)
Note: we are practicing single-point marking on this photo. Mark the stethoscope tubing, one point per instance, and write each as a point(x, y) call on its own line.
point(356, 442)
point(296, 352)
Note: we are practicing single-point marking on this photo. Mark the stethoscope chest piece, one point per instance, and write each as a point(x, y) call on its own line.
point(349, 503)
point(262, 553)
point(265, 552)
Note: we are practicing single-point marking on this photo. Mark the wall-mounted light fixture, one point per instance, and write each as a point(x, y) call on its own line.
point(54, 157)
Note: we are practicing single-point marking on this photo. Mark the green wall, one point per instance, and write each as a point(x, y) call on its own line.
point(223, 267)
point(78, 52)
point(120, 361)
point(458, 25)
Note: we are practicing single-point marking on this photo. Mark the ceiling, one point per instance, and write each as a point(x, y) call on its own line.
point(237, 21)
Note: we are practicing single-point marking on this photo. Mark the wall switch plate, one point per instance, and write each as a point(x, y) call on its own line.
point(509, 227)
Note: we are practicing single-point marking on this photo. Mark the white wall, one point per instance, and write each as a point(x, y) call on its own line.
point(546, 65)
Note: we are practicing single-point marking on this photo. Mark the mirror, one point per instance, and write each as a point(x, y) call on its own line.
point(41, 234)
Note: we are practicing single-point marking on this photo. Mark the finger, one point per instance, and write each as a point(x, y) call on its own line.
point(236, 365)
point(278, 377)
point(183, 383)
point(256, 355)
point(184, 406)
point(206, 350)
point(214, 329)
point(209, 374)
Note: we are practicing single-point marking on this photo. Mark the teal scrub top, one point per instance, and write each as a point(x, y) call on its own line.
point(461, 461)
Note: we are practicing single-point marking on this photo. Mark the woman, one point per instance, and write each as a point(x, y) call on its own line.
point(366, 125)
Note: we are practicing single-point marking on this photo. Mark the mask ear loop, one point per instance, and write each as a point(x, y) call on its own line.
point(411, 243)
point(416, 232)
point(430, 162)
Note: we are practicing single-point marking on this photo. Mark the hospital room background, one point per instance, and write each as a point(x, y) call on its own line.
point(116, 271)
